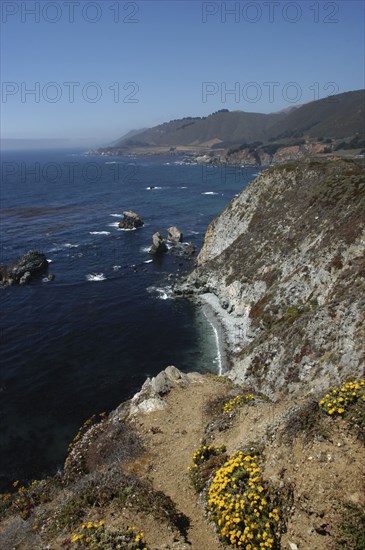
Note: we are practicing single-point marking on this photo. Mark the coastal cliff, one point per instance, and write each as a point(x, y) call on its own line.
point(269, 455)
point(286, 260)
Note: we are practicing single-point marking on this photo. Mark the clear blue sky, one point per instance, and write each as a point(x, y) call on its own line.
point(168, 52)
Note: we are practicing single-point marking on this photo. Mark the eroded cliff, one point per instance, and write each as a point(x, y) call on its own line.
point(287, 259)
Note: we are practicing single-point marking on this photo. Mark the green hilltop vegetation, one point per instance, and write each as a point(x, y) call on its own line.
point(339, 117)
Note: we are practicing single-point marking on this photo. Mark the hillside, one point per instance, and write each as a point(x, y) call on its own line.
point(221, 128)
point(286, 259)
point(337, 117)
point(129, 473)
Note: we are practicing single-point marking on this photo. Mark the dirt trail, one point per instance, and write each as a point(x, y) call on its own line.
point(178, 432)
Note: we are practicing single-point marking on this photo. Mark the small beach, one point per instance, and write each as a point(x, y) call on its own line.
point(227, 329)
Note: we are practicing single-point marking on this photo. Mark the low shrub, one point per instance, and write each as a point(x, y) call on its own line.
point(238, 402)
point(23, 499)
point(305, 421)
point(97, 536)
point(352, 527)
point(239, 506)
point(338, 400)
point(206, 459)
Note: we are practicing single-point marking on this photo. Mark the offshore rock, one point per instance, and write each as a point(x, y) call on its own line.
point(23, 269)
point(131, 220)
point(158, 244)
point(189, 249)
point(174, 235)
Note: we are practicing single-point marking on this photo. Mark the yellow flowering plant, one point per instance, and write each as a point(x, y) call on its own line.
point(238, 402)
point(95, 536)
point(205, 459)
point(337, 401)
point(238, 505)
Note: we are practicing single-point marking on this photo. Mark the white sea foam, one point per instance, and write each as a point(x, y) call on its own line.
point(114, 224)
point(123, 229)
point(145, 249)
point(210, 193)
point(99, 232)
point(49, 260)
point(218, 359)
point(69, 245)
point(183, 187)
point(96, 277)
point(116, 267)
point(162, 293)
point(116, 215)
point(111, 162)
point(152, 187)
point(147, 261)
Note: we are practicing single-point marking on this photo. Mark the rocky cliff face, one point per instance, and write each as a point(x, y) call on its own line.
point(287, 259)
point(261, 156)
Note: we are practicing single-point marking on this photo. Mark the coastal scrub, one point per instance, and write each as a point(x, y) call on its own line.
point(238, 402)
point(240, 507)
point(205, 460)
point(95, 535)
point(338, 400)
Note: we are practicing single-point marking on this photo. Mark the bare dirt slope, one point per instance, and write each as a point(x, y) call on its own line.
point(136, 472)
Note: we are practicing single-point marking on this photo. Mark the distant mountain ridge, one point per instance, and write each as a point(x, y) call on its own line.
point(339, 116)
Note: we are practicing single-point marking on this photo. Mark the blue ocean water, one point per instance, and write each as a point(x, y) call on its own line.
point(86, 341)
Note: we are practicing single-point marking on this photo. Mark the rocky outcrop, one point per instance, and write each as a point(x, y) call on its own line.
point(131, 220)
point(266, 155)
point(24, 269)
point(158, 244)
point(189, 249)
point(174, 235)
point(154, 390)
point(287, 259)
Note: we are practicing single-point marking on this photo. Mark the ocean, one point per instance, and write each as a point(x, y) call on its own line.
point(85, 342)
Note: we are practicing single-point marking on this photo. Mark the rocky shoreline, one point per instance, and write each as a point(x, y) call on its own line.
point(281, 277)
point(279, 265)
point(226, 328)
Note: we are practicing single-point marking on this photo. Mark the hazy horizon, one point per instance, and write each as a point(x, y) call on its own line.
point(90, 72)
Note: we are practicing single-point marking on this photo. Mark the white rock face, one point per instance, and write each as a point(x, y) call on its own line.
point(153, 391)
point(286, 258)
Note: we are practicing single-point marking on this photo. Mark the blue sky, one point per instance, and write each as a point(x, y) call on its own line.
point(100, 69)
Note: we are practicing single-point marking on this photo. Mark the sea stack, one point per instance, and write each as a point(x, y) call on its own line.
point(158, 244)
point(23, 269)
point(131, 220)
point(174, 235)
